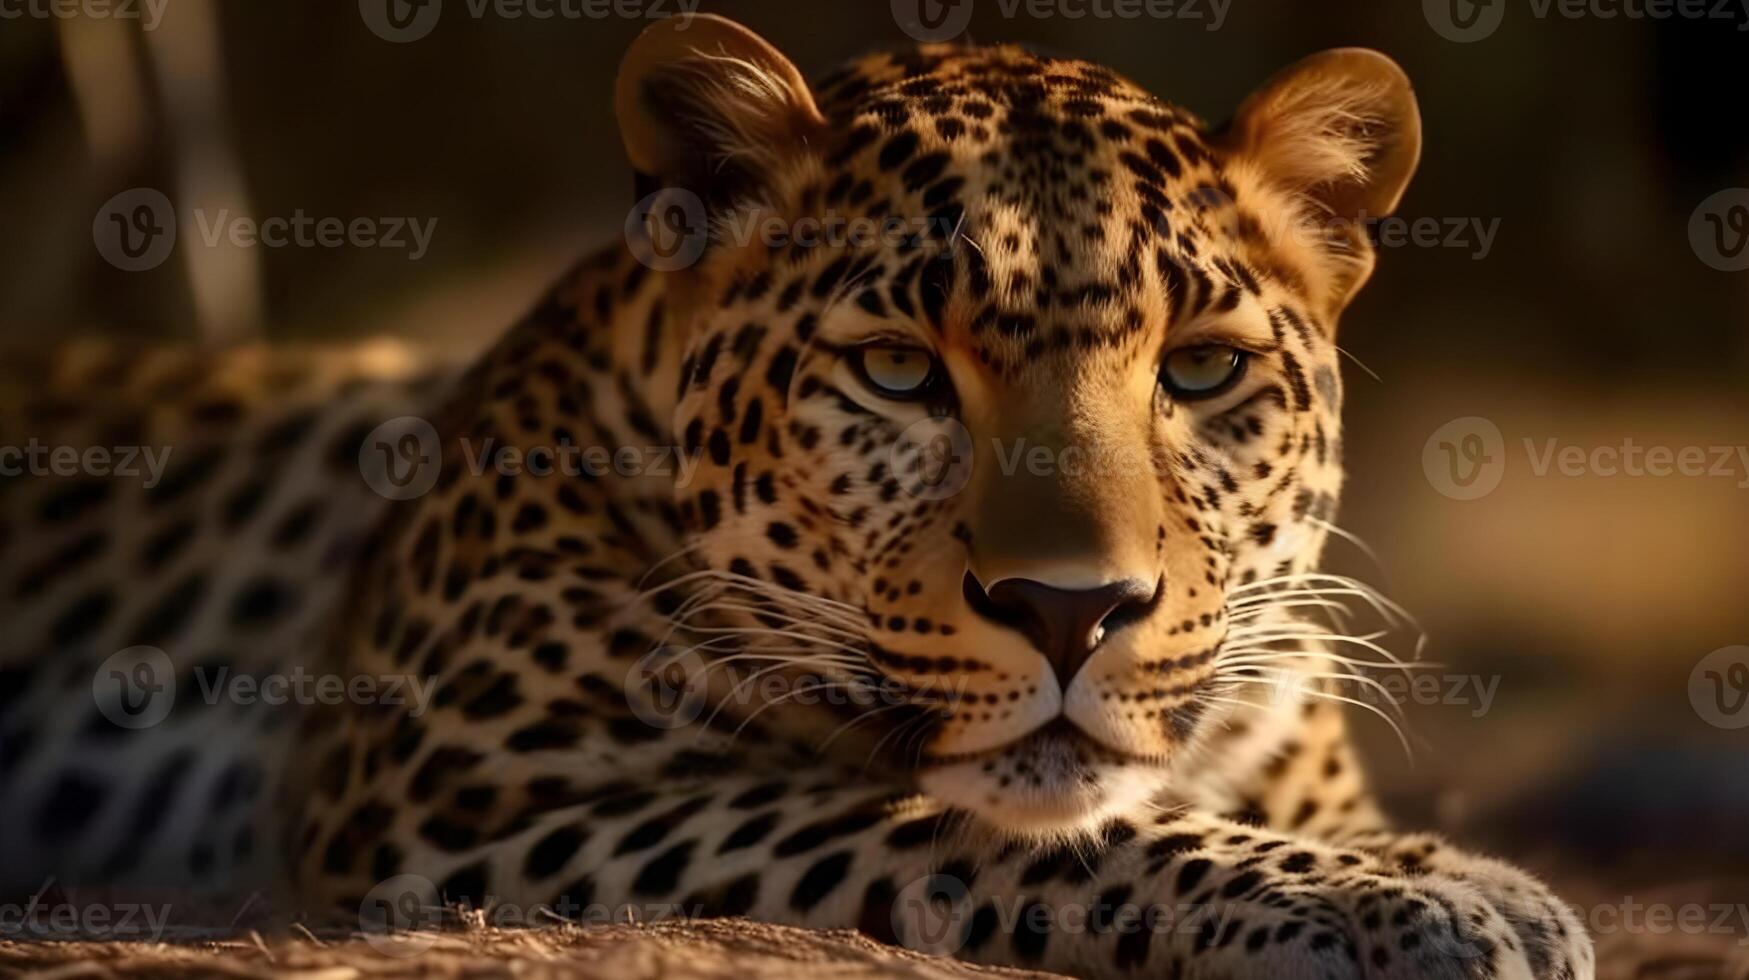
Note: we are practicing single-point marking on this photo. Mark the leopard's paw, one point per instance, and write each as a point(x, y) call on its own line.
point(1446, 913)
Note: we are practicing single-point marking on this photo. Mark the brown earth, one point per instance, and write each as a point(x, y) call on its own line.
point(698, 950)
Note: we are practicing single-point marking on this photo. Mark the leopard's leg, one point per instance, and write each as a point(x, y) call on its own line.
point(1311, 784)
point(1179, 893)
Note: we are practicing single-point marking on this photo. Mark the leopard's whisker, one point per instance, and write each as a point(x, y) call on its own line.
point(1396, 729)
point(1286, 676)
point(795, 620)
point(1365, 642)
point(1268, 655)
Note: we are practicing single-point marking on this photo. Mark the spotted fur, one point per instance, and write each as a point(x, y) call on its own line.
point(1066, 231)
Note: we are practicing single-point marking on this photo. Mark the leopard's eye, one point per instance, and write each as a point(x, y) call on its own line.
point(899, 373)
point(1192, 373)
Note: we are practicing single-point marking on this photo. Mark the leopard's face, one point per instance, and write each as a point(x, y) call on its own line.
point(1032, 450)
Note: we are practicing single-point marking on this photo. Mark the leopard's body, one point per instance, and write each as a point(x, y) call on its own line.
point(1141, 799)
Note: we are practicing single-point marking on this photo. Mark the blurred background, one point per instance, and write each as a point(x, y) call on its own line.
point(1580, 288)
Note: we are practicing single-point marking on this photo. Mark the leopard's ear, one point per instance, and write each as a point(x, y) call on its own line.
point(708, 105)
point(1341, 127)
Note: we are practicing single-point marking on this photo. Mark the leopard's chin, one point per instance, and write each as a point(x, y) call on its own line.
point(1055, 782)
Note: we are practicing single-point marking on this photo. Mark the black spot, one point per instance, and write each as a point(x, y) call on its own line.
point(73, 501)
point(662, 874)
point(446, 834)
point(260, 602)
point(171, 612)
point(1241, 883)
point(466, 887)
point(898, 149)
point(1031, 932)
point(550, 854)
point(749, 833)
point(781, 369)
point(819, 880)
point(1191, 874)
point(917, 833)
point(759, 795)
point(1133, 943)
point(82, 618)
point(730, 900)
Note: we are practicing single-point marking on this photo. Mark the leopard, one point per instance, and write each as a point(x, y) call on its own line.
point(914, 525)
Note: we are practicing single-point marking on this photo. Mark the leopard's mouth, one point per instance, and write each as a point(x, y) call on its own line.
point(1059, 736)
point(1055, 780)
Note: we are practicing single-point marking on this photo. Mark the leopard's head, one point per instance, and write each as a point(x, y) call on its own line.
point(1011, 382)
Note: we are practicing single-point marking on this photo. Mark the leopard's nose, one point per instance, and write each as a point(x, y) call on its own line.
point(1066, 625)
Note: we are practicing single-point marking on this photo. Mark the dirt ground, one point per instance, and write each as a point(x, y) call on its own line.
point(699, 950)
